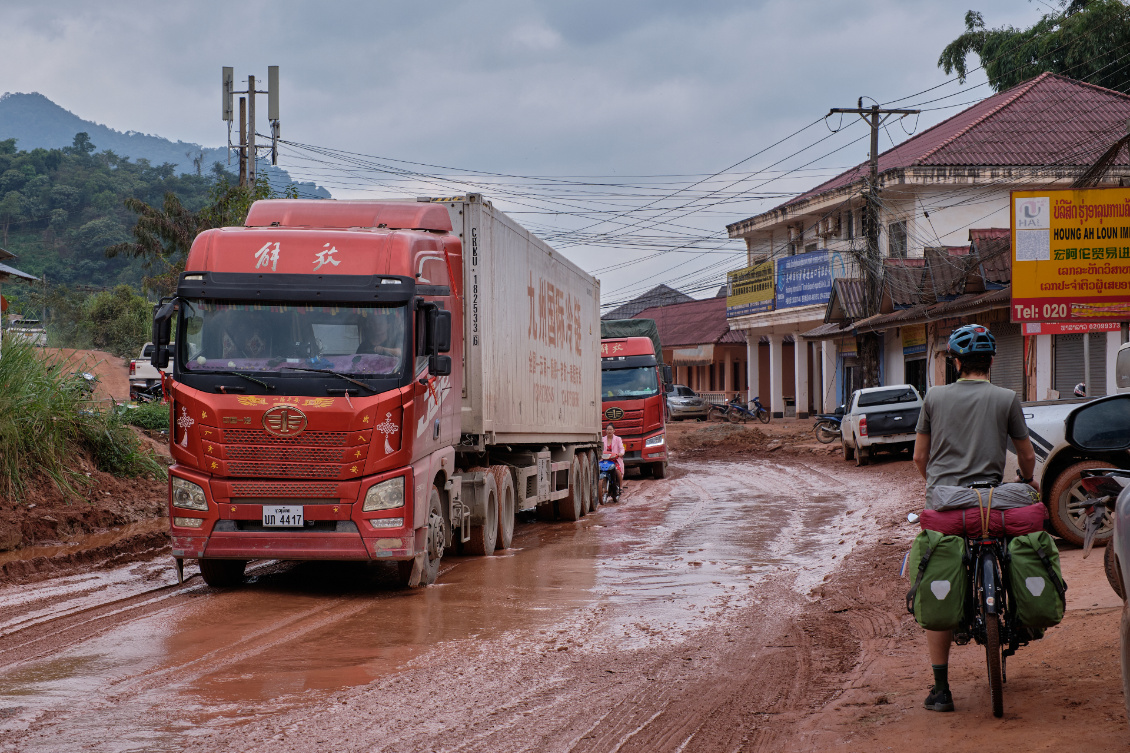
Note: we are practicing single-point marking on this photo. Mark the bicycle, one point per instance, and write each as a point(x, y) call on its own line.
point(990, 613)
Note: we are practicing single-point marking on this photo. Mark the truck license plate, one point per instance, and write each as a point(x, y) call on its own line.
point(285, 516)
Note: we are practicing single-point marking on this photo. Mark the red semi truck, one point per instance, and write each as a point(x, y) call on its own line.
point(633, 397)
point(375, 381)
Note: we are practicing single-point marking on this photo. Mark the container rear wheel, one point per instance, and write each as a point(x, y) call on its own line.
point(507, 505)
point(569, 506)
point(222, 573)
point(484, 534)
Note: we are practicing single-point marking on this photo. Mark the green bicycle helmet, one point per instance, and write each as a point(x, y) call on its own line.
point(972, 338)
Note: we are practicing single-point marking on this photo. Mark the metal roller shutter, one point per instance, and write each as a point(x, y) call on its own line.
point(1069, 364)
point(1008, 364)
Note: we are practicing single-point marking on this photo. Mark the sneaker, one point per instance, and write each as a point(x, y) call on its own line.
point(942, 701)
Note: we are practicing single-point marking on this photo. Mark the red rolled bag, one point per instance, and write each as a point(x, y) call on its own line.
point(967, 521)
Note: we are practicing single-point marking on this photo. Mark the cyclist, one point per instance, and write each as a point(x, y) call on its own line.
point(962, 439)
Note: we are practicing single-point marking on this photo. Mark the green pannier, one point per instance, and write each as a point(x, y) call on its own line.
point(937, 568)
point(1038, 589)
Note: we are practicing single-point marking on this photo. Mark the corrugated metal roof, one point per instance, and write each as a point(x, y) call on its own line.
point(6, 271)
point(846, 300)
point(692, 323)
point(6, 254)
point(904, 280)
point(947, 269)
point(1047, 120)
point(993, 248)
point(826, 332)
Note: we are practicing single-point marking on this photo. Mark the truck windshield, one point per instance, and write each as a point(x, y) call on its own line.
point(620, 384)
point(222, 336)
point(887, 397)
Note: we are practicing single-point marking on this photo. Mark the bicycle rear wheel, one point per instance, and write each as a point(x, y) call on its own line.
point(993, 659)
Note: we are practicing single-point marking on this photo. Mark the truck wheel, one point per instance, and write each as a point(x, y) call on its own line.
point(1113, 575)
point(862, 456)
point(591, 478)
point(507, 505)
point(569, 506)
point(658, 470)
point(433, 544)
point(222, 573)
point(484, 535)
point(849, 452)
point(1068, 523)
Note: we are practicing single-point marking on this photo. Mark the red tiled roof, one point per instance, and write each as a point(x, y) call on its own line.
point(692, 323)
point(1048, 120)
point(993, 247)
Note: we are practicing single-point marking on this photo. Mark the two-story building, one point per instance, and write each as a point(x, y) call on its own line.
point(935, 188)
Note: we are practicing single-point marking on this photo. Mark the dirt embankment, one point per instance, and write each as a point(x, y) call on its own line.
point(112, 371)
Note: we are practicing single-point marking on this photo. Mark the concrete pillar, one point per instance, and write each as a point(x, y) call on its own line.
point(752, 366)
point(831, 394)
point(1043, 366)
point(800, 362)
point(896, 364)
point(728, 373)
point(1113, 343)
point(776, 382)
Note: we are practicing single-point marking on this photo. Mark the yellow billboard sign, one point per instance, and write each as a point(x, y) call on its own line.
point(1070, 255)
point(750, 290)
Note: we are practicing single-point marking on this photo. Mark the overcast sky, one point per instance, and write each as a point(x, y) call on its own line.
point(576, 88)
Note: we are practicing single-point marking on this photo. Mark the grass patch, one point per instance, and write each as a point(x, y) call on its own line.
point(46, 420)
point(149, 416)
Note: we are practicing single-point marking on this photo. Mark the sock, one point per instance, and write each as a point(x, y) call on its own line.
point(941, 677)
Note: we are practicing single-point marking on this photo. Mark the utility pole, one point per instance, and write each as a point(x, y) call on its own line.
point(247, 149)
point(872, 261)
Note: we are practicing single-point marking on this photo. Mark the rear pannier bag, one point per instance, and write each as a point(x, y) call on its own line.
point(1037, 582)
point(936, 568)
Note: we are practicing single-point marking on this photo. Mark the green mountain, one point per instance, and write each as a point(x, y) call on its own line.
point(38, 123)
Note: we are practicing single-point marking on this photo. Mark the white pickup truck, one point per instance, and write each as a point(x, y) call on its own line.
point(142, 373)
point(879, 418)
point(1059, 465)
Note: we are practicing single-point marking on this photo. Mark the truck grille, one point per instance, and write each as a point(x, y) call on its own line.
point(283, 454)
point(305, 439)
point(281, 489)
point(284, 470)
point(630, 424)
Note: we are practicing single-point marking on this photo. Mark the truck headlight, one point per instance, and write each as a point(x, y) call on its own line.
point(385, 495)
point(188, 495)
point(655, 441)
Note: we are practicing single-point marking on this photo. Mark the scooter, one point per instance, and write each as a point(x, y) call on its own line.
point(609, 481)
point(827, 426)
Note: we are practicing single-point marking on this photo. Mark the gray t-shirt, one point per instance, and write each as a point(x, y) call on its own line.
point(969, 423)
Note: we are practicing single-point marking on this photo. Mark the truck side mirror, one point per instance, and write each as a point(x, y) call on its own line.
point(1101, 425)
point(439, 326)
point(666, 369)
point(668, 387)
point(439, 365)
point(162, 333)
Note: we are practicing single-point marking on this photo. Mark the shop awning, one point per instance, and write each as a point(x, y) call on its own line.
point(699, 355)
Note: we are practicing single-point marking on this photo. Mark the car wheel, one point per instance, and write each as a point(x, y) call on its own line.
point(1066, 522)
point(849, 452)
point(1113, 575)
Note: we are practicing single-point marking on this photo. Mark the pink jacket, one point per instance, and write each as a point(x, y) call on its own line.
point(615, 447)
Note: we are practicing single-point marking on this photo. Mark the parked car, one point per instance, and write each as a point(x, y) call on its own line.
point(142, 374)
point(1059, 466)
point(683, 402)
point(879, 418)
point(1103, 426)
point(28, 330)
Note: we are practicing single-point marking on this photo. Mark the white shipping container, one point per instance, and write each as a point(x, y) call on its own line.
point(532, 334)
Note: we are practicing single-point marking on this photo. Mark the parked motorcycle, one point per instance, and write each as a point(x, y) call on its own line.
point(737, 412)
point(719, 411)
point(152, 394)
point(609, 482)
point(827, 426)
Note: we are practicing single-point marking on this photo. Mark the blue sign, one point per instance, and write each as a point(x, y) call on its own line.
point(804, 279)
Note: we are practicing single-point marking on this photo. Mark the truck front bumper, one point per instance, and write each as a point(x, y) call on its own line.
point(638, 452)
point(344, 531)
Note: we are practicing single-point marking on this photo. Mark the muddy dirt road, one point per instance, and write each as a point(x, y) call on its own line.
point(745, 605)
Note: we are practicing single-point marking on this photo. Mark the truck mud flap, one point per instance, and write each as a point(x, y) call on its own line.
point(458, 513)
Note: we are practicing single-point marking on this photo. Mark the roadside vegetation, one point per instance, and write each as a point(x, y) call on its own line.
point(148, 416)
point(47, 420)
